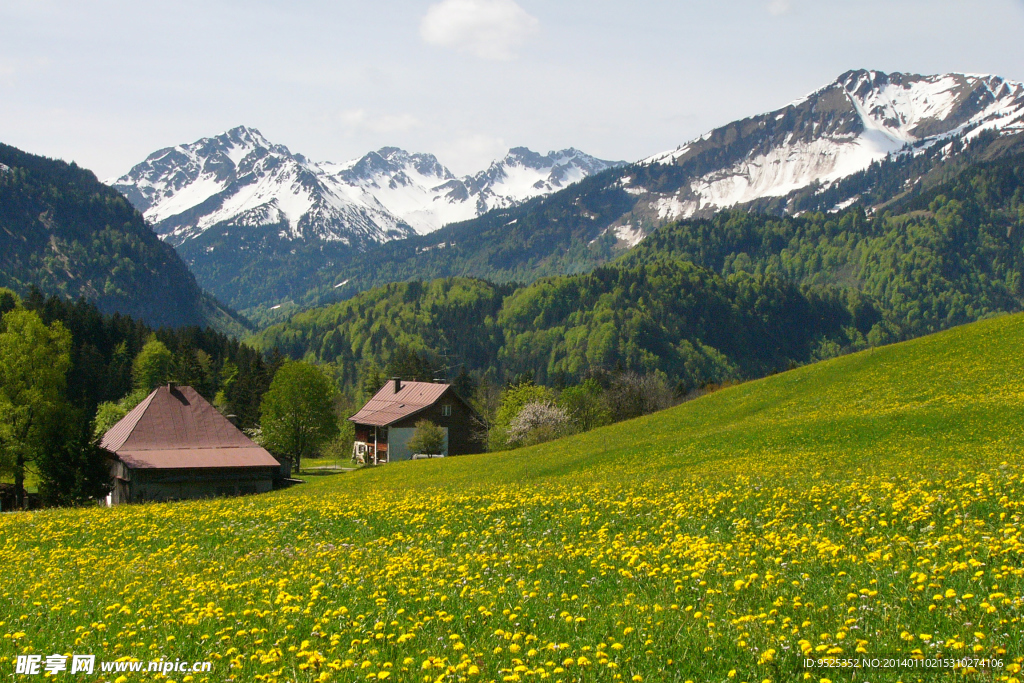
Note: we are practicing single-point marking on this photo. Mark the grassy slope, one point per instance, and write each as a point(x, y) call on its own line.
point(867, 503)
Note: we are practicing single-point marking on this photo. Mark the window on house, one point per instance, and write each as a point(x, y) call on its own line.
point(446, 411)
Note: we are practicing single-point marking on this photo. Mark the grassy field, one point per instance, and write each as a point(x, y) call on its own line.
point(866, 505)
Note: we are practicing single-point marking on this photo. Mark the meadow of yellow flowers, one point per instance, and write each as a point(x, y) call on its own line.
point(869, 505)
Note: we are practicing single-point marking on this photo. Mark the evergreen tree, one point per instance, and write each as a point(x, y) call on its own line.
point(73, 468)
point(464, 384)
point(8, 301)
point(409, 365)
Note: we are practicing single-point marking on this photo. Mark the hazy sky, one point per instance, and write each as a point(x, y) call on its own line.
point(104, 83)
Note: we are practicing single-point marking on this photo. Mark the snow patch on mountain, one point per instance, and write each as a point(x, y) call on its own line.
point(837, 131)
point(785, 169)
point(670, 207)
point(628, 234)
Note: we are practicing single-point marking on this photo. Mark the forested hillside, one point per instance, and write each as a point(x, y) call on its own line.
point(63, 231)
point(932, 260)
point(672, 318)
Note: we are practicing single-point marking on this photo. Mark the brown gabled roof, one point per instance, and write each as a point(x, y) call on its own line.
point(388, 406)
point(188, 458)
point(174, 428)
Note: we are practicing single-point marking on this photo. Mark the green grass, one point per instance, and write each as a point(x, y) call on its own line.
point(327, 464)
point(865, 505)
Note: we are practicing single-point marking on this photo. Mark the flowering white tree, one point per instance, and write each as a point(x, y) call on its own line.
point(536, 422)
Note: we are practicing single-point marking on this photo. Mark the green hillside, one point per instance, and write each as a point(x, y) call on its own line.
point(67, 234)
point(867, 505)
point(670, 317)
point(951, 399)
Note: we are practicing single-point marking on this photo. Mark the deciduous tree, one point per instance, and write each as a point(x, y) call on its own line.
point(298, 411)
point(537, 422)
point(512, 401)
point(152, 367)
point(428, 438)
point(34, 360)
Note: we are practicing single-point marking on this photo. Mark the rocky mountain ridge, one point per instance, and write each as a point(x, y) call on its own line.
point(241, 180)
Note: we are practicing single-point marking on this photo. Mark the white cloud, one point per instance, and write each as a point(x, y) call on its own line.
point(386, 123)
point(780, 7)
point(490, 29)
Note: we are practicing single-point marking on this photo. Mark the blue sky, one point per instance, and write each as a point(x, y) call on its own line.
point(105, 83)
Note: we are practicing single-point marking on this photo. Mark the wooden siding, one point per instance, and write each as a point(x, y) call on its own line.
point(137, 486)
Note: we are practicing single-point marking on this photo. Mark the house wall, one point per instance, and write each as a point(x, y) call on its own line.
point(462, 439)
point(141, 485)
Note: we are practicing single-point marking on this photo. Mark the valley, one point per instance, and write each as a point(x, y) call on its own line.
point(749, 403)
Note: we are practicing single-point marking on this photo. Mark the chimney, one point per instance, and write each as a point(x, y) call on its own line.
point(398, 384)
point(171, 386)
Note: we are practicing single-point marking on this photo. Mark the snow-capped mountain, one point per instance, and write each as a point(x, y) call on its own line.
point(239, 180)
point(867, 138)
point(832, 133)
point(523, 174)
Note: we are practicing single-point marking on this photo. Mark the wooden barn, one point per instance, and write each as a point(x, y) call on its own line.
point(387, 421)
point(175, 445)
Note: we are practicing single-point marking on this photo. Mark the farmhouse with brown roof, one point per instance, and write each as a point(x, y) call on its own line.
point(176, 445)
point(386, 423)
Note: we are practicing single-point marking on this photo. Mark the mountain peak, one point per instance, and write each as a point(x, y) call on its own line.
point(243, 133)
point(569, 155)
point(392, 152)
